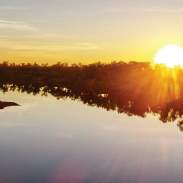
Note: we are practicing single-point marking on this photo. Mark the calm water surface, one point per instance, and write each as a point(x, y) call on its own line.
point(63, 141)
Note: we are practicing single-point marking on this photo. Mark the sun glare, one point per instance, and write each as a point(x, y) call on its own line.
point(170, 55)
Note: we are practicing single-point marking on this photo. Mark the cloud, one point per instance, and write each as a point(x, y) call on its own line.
point(84, 46)
point(12, 8)
point(4, 37)
point(53, 47)
point(163, 10)
point(16, 25)
point(145, 10)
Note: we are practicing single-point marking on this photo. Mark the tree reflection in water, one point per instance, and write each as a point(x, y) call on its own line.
point(132, 88)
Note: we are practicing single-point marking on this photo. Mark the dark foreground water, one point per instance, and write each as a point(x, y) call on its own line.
point(63, 141)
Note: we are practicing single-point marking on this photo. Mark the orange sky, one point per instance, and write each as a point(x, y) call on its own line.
point(87, 31)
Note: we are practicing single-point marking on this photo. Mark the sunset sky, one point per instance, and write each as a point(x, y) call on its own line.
point(87, 30)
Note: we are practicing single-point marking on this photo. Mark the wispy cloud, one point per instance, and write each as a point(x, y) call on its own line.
point(50, 47)
point(163, 10)
point(145, 9)
point(16, 25)
point(13, 8)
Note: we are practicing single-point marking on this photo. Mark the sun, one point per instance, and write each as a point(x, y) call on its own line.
point(170, 55)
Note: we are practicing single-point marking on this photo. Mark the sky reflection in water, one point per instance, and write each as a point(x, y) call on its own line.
point(49, 140)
